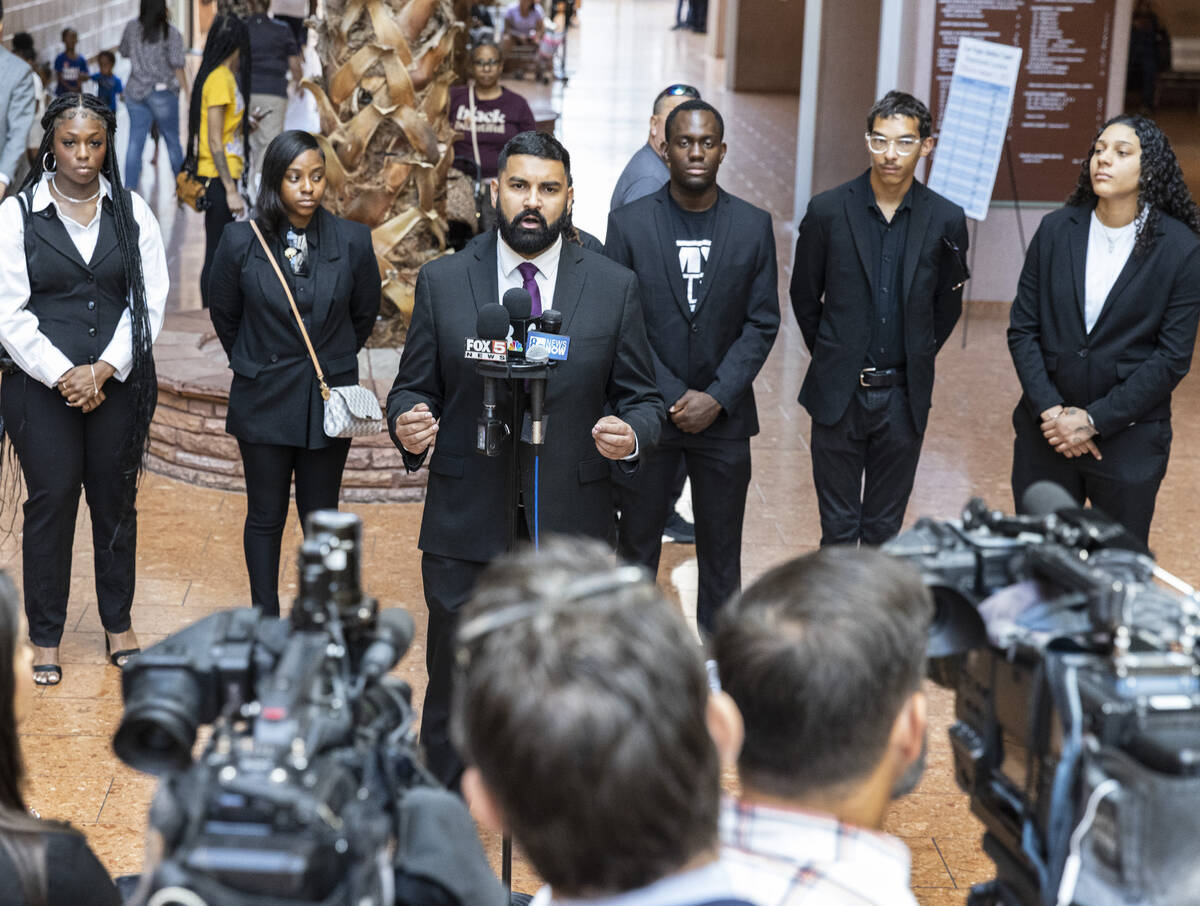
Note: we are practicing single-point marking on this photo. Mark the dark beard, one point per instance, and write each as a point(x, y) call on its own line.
point(530, 242)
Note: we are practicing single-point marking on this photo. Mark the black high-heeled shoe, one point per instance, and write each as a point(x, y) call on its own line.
point(118, 658)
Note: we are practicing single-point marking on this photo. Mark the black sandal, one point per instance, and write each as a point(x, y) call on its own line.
point(118, 658)
point(47, 674)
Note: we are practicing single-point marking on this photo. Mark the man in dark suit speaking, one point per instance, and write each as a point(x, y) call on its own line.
point(877, 288)
point(437, 393)
point(706, 264)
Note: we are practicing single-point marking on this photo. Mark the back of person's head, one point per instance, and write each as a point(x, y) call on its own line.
point(22, 41)
point(822, 655)
point(900, 103)
point(581, 708)
point(154, 19)
point(694, 104)
point(227, 34)
point(535, 144)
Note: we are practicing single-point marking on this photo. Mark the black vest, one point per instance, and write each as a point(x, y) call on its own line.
point(77, 303)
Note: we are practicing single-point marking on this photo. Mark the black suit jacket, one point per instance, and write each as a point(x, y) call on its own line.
point(275, 398)
point(609, 364)
point(832, 293)
point(720, 348)
point(1141, 345)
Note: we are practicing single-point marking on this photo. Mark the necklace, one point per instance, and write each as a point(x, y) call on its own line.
point(90, 198)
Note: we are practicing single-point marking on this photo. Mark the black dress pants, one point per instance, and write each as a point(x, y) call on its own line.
point(864, 465)
point(448, 585)
point(1138, 454)
point(269, 469)
point(215, 219)
point(61, 449)
point(719, 468)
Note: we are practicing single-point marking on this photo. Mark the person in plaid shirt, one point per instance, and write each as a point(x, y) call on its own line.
point(824, 657)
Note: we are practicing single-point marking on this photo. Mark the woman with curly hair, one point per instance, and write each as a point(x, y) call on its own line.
point(83, 286)
point(1103, 326)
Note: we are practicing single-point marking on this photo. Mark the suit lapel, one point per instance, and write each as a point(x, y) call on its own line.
point(1133, 264)
point(666, 242)
point(719, 241)
point(325, 275)
point(1077, 240)
point(857, 216)
point(482, 273)
point(918, 225)
point(568, 284)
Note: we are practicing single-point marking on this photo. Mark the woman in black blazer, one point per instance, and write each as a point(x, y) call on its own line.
point(275, 405)
point(1104, 324)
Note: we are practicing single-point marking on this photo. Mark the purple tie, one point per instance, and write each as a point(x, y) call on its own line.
point(528, 271)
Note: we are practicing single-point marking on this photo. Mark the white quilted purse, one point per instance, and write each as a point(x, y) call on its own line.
point(351, 411)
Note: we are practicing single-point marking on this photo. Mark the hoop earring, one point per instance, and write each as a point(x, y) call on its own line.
point(45, 166)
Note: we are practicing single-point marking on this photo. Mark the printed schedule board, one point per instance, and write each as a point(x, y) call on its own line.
point(1062, 85)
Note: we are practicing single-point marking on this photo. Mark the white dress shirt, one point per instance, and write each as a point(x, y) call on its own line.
point(19, 330)
point(508, 277)
point(707, 884)
point(1107, 251)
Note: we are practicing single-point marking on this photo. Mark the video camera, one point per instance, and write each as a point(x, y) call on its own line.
point(1077, 733)
point(309, 789)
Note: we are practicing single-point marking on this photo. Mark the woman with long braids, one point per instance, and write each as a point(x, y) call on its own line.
point(41, 862)
point(218, 130)
point(1104, 324)
point(83, 285)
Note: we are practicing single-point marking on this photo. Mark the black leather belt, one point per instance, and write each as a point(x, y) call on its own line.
point(882, 377)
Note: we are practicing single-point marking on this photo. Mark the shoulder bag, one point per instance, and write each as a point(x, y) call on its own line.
point(350, 411)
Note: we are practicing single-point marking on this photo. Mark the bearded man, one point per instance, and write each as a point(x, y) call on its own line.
point(601, 403)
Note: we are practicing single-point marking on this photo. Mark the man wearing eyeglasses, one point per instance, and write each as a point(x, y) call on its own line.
point(877, 288)
point(646, 171)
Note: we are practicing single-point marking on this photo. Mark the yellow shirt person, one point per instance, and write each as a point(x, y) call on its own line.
point(221, 90)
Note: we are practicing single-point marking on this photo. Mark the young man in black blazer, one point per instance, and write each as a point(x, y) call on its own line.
point(877, 288)
point(437, 393)
point(706, 263)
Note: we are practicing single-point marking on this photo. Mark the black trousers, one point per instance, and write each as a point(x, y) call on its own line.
point(863, 467)
point(62, 450)
point(448, 585)
point(1138, 454)
point(719, 468)
point(269, 469)
point(215, 218)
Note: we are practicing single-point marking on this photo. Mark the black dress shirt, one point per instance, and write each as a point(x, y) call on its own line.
point(887, 251)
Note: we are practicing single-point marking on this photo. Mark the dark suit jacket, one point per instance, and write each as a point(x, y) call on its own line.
point(720, 348)
point(1141, 346)
point(275, 398)
point(466, 507)
point(832, 292)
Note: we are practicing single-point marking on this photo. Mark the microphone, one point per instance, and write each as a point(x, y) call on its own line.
point(1042, 498)
point(519, 305)
point(537, 355)
point(547, 336)
point(1085, 527)
point(394, 633)
point(491, 332)
point(491, 326)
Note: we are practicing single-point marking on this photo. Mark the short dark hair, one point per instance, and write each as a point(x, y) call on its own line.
point(696, 104)
point(535, 144)
point(899, 103)
point(284, 148)
point(22, 40)
point(485, 43)
point(674, 91)
point(106, 55)
point(66, 31)
point(820, 655)
point(582, 699)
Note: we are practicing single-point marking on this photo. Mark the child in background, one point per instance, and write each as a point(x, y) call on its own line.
point(72, 67)
point(108, 86)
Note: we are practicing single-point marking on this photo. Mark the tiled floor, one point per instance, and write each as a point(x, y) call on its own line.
point(190, 560)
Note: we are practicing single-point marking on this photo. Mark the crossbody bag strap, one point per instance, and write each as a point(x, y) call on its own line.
point(474, 138)
point(299, 321)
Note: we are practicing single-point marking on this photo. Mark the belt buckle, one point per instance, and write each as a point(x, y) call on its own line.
point(862, 377)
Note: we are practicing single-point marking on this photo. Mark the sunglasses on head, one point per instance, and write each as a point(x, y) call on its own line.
point(681, 90)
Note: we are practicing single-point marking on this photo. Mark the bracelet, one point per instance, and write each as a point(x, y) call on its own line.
point(95, 386)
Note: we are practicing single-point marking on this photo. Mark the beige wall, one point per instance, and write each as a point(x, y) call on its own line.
point(98, 22)
point(762, 44)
